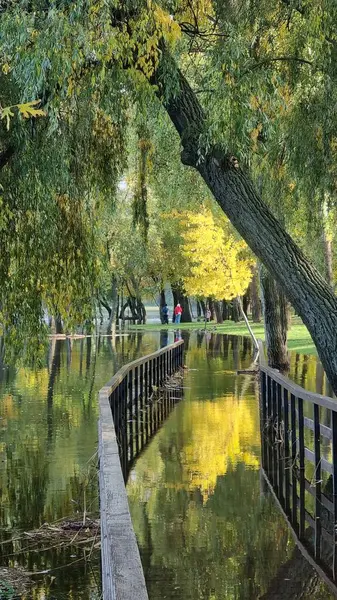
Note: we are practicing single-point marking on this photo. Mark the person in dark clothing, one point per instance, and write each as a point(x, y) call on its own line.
point(165, 313)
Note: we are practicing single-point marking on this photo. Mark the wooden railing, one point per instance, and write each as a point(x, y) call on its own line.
point(131, 408)
point(299, 461)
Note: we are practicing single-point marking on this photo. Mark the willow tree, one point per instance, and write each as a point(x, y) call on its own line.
point(223, 53)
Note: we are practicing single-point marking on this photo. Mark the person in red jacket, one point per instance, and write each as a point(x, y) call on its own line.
point(177, 313)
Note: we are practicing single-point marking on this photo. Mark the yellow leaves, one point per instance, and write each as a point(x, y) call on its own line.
point(234, 427)
point(26, 110)
point(5, 68)
point(168, 27)
point(216, 264)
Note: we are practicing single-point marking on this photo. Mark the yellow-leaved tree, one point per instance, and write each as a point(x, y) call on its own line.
point(219, 264)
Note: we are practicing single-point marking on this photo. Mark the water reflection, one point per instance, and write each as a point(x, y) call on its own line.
point(48, 438)
point(205, 523)
point(308, 372)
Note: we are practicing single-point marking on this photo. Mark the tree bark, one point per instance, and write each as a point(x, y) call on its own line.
point(310, 295)
point(275, 321)
point(254, 295)
point(162, 303)
point(203, 308)
point(58, 324)
point(218, 312)
point(225, 310)
point(235, 310)
point(211, 308)
point(111, 328)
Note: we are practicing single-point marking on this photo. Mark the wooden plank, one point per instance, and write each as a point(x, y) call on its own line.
point(122, 572)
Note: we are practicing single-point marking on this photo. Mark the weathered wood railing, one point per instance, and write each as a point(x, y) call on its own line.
point(299, 461)
point(130, 411)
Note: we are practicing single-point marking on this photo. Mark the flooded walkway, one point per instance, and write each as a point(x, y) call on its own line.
point(206, 526)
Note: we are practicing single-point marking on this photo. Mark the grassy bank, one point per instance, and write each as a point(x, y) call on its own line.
point(299, 339)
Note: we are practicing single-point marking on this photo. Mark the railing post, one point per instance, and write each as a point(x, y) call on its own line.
point(280, 441)
point(136, 408)
point(130, 416)
point(141, 403)
point(269, 430)
point(317, 482)
point(286, 451)
point(264, 421)
point(293, 461)
point(334, 482)
point(124, 407)
point(147, 408)
point(302, 466)
point(274, 436)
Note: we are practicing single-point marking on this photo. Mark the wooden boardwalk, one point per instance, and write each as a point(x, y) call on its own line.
point(125, 403)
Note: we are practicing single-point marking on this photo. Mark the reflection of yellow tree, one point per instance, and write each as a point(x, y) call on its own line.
point(222, 434)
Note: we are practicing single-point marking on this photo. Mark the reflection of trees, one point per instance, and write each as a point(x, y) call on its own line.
point(204, 529)
point(54, 370)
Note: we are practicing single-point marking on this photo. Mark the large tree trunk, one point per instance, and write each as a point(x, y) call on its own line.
point(162, 303)
point(111, 328)
point(218, 312)
point(275, 321)
point(254, 295)
point(179, 297)
point(225, 310)
point(310, 295)
point(235, 310)
point(211, 307)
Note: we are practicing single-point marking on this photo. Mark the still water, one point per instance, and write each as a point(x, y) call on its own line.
point(205, 524)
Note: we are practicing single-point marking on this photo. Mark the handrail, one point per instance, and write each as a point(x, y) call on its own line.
point(124, 398)
point(119, 376)
point(294, 462)
point(294, 388)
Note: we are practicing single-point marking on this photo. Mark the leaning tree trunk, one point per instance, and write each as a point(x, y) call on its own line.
point(310, 295)
point(275, 321)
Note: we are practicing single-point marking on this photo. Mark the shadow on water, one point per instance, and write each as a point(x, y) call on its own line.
point(206, 526)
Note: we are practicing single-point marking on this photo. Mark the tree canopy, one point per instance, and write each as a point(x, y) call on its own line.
point(248, 86)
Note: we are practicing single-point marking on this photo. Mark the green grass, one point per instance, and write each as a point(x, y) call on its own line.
point(299, 339)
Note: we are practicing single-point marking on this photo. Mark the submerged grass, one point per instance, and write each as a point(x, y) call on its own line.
point(299, 339)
